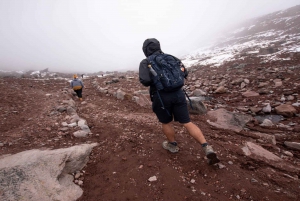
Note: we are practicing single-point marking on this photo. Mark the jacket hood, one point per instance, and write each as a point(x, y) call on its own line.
point(150, 46)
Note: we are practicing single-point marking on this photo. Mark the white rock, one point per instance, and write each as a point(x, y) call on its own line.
point(72, 124)
point(288, 153)
point(80, 133)
point(64, 124)
point(221, 166)
point(152, 179)
point(267, 108)
point(82, 122)
point(266, 123)
point(296, 104)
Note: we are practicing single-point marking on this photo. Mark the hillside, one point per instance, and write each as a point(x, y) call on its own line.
point(271, 37)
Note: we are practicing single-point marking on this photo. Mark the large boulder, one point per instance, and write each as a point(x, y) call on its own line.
point(43, 175)
point(224, 119)
point(197, 105)
point(256, 151)
point(142, 100)
point(285, 110)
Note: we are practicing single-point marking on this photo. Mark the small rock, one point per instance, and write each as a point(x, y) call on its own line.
point(77, 175)
point(152, 179)
point(265, 184)
point(221, 166)
point(254, 180)
point(64, 124)
point(80, 183)
point(288, 153)
point(72, 124)
point(80, 133)
point(266, 123)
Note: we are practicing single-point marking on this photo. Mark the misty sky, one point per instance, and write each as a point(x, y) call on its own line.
point(104, 35)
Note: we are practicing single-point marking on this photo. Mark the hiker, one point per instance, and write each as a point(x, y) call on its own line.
point(77, 86)
point(168, 102)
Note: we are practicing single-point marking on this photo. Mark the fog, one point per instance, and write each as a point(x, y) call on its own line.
point(99, 35)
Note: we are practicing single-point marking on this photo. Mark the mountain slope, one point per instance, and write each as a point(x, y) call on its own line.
point(268, 38)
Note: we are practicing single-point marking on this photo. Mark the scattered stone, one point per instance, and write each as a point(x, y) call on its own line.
point(220, 90)
point(254, 180)
point(72, 124)
point(255, 109)
point(80, 133)
point(120, 94)
point(267, 123)
point(293, 145)
point(224, 119)
point(71, 110)
point(285, 110)
point(82, 122)
point(77, 175)
point(85, 128)
point(269, 138)
point(288, 153)
point(251, 149)
point(80, 183)
point(152, 179)
point(198, 106)
point(61, 108)
point(267, 108)
point(64, 129)
point(74, 118)
point(250, 94)
point(64, 124)
point(221, 166)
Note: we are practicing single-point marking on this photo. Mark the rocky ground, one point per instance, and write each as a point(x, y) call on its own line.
point(130, 137)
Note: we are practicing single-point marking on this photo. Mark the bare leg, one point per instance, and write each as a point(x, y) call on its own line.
point(195, 132)
point(169, 132)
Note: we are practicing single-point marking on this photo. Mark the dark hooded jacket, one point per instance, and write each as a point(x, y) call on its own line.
point(150, 46)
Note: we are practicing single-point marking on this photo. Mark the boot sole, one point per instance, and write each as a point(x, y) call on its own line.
point(212, 158)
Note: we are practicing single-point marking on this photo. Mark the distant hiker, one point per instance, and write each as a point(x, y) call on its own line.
point(82, 75)
point(77, 86)
point(168, 98)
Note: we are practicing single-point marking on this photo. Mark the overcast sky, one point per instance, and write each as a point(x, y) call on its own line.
point(104, 35)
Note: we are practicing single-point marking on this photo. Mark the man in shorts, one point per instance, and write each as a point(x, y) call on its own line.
point(174, 106)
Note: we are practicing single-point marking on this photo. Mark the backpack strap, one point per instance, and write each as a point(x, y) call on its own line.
point(162, 104)
point(188, 99)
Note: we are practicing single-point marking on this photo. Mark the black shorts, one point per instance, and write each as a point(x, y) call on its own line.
point(79, 92)
point(176, 105)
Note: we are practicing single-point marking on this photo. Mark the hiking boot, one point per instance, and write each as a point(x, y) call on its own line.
point(211, 155)
point(171, 147)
